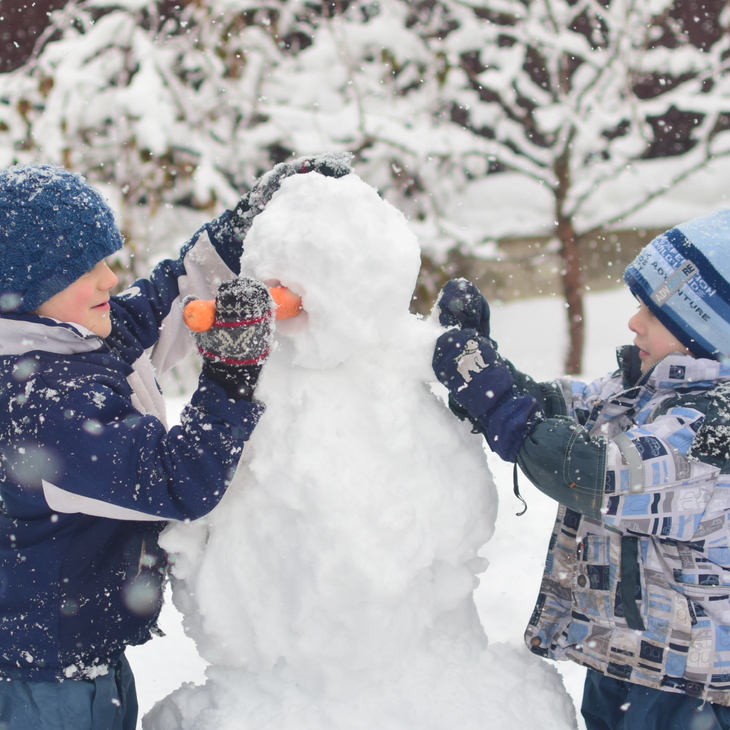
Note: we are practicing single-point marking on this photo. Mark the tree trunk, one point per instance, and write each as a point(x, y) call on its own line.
point(572, 280)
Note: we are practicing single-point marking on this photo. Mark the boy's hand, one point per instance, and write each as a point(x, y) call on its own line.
point(482, 384)
point(239, 341)
point(468, 365)
point(461, 304)
point(332, 164)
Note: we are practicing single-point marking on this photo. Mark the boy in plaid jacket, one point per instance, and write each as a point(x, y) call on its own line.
point(637, 578)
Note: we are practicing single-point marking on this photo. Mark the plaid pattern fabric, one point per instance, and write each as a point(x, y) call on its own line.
point(644, 594)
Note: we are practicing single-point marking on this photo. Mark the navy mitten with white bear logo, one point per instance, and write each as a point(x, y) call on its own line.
point(481, 383)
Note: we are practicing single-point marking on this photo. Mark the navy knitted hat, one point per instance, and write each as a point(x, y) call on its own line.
point(54, 227)
point(683, 277)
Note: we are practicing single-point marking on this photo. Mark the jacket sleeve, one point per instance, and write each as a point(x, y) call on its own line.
point(642, 481)
point(149, 312)
point(562, 460)
point(102, 457)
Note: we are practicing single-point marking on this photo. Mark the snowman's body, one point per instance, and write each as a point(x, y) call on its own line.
point(332, 587)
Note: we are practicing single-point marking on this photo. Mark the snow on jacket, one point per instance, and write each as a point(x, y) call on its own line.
point(637, 577)
point(89, 471)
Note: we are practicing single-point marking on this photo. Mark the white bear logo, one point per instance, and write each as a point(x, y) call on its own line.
point(470, 361)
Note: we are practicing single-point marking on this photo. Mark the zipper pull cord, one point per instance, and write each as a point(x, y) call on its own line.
point(517, 492)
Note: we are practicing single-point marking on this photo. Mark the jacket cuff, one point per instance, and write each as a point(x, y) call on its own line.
point(226, 241)
point(548, 394)
point(241, 414)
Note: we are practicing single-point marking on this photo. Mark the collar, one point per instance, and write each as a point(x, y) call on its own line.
point(21, 333)
point(675, 371)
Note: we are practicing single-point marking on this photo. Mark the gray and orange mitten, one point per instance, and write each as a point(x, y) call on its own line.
point(239, 339)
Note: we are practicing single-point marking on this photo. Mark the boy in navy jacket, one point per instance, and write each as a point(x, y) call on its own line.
point(89, 471)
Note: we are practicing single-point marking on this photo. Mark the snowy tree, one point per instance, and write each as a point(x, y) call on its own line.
point(156, 105)
point(574, 93)
point(185, 106)
point(178, 109)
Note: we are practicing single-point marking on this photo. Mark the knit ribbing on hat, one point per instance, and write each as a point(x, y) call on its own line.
point(54, 227)
point(683, 278)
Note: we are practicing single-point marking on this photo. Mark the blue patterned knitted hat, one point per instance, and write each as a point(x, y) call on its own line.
point(683, 277)
point(54, 227)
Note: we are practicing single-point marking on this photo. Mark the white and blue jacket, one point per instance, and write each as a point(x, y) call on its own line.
point(637, 577)
point(89, 472)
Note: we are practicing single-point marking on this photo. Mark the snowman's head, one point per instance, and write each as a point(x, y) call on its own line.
point(348, 253)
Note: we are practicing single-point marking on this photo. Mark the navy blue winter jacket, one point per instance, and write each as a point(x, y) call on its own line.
point(89, 471)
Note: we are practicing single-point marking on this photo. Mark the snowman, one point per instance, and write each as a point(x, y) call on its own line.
point(333, 585)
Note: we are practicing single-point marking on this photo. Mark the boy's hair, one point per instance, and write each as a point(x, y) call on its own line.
point(683, 277)
point(54, 227)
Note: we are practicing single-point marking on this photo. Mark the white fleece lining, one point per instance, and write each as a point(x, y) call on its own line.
point(59, 500)
point(205, 271)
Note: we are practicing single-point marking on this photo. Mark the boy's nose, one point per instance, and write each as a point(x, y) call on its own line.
point(635, 323)
point(111, 279)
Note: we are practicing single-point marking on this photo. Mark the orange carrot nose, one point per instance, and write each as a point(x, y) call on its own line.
point(199, 315)
point(288, 304)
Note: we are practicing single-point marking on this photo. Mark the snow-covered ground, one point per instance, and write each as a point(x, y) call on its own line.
point(531, 333)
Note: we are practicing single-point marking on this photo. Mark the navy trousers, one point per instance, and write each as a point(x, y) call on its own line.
point(610, 704)
point(105, 703)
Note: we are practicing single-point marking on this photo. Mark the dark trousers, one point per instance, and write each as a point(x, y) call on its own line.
point(108, 702)
point(610, 704)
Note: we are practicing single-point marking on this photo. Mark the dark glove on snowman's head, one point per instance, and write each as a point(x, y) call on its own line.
point(331, 164)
